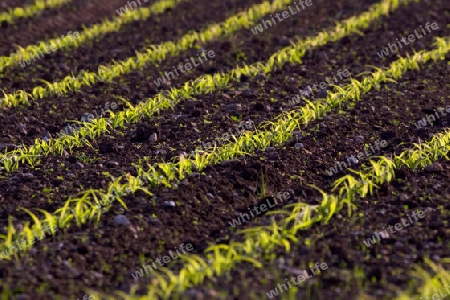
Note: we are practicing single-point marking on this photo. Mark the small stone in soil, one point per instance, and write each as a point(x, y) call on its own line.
point(298, 146)
point(153, 137)
point(359, 139)
point(322, 93)
point(434, 168)
point(22, 129)
point(112, 164)
point(233, 107)
point(27, 176)
point(122, 220)
point(322, 56)
point(284, 41)
point(260, 76)
point(168, 204)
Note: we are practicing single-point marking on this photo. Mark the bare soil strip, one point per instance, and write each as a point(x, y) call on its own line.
point(55, 22)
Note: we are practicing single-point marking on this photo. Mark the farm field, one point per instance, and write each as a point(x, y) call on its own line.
point(180, 149)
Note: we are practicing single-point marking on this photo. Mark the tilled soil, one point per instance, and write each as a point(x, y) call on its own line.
point(103, 256)
point(50, 115)
point(340, 244)
point(55, 23)
point(112, 156)
point(112, 150)
point(7, 4)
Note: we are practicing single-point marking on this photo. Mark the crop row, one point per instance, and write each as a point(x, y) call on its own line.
point(37, 7)
point(202, 85)
point(89, 34)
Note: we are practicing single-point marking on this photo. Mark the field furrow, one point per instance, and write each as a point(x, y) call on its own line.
point(340, 244)
point(104, 153)
point(56, 180)
point(150, 55)
point(249, 142)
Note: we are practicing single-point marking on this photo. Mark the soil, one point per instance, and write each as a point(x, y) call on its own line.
point(7, 4)
point(56, 22)
point(103, 255)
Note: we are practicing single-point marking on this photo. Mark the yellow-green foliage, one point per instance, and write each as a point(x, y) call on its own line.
point(258, 241)
point(202, 85)
point(87, 35)
point(152, 54)
point(431, 283)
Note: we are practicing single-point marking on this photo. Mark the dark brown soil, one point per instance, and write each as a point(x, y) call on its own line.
point(54, 23)
point(103, 255)
point(340, 244)
point(7, 4)
point(166, 126)
point(42, 115)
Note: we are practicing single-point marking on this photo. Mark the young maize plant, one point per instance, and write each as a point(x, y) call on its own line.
point(37, 7)
point(89, 34)
point(261, 240)
point(432, 284)
point(218, 81)
point(152, 54)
